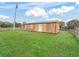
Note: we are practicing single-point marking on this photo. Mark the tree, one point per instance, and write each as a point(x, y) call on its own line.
point(62, 25)
point(17, 24)
point(5, 24)
point(73, 24)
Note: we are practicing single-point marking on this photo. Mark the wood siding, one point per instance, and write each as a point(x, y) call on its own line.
point(45, 27)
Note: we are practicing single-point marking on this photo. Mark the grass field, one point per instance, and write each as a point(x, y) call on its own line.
point(20, 43)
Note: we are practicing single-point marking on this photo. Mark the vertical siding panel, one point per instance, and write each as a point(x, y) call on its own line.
point(47, 30)
point(43, 27)
point(53, 30)
point(55, 27)
point(40, 27)
point(36, 27)
point(51, 27)
point(33, 27)
point(46, 27)
point(58, 27)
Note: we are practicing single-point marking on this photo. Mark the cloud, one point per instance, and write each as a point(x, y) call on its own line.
point(19, 21)
point(54, 19)
point(61, 10)
point(4, 17)
point(77, 3)
point(36, 12)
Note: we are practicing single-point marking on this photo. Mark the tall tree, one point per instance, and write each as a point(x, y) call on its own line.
point(73, 24)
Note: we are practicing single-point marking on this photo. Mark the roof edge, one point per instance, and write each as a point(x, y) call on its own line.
point(43, 22)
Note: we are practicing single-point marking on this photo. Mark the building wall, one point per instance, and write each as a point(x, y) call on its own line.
point(53, 28)
point(48, 27)
point(57, 27)
point(44, 27)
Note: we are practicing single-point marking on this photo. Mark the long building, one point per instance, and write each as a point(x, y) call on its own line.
point(49, 27)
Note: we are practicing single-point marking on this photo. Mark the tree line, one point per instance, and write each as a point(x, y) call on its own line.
point(9, 24)
point(72, 24)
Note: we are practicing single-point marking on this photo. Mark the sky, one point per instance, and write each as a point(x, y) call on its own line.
point(39, 11)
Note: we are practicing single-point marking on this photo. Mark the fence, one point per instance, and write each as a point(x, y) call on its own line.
point(75, 31)
point(10, 29)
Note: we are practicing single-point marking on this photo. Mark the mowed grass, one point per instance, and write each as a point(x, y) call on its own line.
point(25, 44)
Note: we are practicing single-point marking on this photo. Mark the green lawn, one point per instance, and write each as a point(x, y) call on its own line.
point(19, 43)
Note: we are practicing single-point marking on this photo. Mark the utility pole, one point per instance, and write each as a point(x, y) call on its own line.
point(14, 26)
